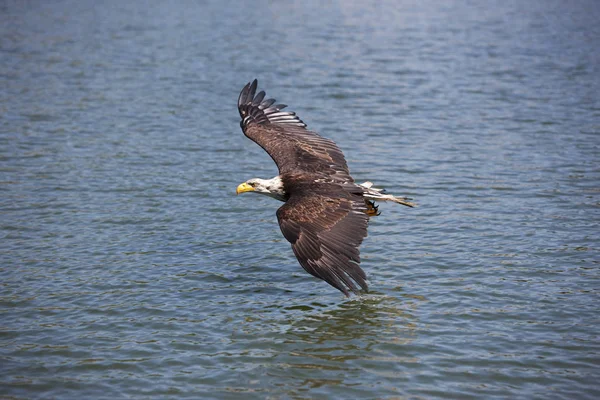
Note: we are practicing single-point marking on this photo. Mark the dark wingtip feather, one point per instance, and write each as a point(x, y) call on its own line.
point(349, 284)
point(253, 87)
point(258, 98)
point(243, 94)
point(254, 108)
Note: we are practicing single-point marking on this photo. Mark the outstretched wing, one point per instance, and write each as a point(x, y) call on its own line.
point(285, 137)
point(325, 233)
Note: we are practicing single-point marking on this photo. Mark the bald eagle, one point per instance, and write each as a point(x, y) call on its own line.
point(326, 213)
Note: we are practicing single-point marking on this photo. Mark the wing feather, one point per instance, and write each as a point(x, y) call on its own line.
point(325, 232)
point(283, 135)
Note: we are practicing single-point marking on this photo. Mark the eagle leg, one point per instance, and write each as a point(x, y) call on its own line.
point(372, 209)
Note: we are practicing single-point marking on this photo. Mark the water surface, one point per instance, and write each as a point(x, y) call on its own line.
point(130, 268)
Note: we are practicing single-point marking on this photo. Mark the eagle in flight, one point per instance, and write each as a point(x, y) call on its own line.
point(326, 213)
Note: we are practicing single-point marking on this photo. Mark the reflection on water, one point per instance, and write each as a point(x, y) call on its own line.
point(368, 316)
point(332, 339)
point(326, 345)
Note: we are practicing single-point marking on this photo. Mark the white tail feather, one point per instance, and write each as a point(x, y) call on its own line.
point(378, 194)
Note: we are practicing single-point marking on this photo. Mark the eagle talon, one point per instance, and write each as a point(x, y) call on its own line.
point(372, 209)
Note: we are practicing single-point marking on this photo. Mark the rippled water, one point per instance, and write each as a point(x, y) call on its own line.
point(130, 268)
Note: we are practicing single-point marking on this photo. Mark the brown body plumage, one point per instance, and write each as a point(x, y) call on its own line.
point(325, 215)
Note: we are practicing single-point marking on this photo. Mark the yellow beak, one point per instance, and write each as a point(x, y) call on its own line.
point(244, 187)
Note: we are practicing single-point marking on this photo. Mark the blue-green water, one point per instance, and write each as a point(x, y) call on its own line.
point(129, 268)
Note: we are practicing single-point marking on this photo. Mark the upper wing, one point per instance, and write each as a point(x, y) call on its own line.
point(285, 137)
point(325, 233)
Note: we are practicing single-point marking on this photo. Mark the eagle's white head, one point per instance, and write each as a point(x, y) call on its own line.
point(271, 187)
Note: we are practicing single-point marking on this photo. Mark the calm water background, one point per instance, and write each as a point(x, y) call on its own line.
point(129, 268)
